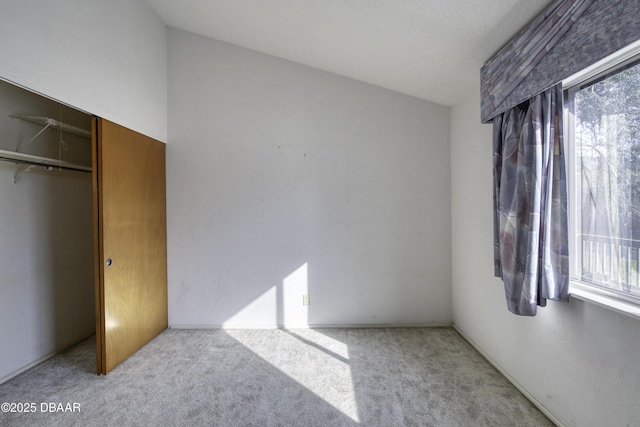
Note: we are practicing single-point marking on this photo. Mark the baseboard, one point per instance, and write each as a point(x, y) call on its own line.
point(318, 326)
point(27, 367)
point(512, 380)
point(39, 361)
point(381, 325)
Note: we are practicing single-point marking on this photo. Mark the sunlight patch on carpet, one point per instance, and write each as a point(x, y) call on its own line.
point(297, 351)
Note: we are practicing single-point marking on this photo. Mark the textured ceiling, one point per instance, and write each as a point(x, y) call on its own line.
point(431, 49)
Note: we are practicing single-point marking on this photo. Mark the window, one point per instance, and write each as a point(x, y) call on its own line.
point(603, 145)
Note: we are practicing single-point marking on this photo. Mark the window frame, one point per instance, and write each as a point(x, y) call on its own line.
point(609, 298)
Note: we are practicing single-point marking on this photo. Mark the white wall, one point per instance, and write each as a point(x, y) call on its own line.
point(283, 179)
point(46, 238)
point(580, 361)
point(105, 57)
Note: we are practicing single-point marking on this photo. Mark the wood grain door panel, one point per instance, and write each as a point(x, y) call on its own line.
point(130, 214)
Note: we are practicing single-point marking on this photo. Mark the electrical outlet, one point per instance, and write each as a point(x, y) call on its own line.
point(305, 299)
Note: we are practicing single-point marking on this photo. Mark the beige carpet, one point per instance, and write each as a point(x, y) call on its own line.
point(319, 377)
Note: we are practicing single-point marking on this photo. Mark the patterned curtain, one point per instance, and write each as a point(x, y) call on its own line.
point(530, 203)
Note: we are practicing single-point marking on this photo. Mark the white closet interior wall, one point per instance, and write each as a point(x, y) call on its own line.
point(46, 237)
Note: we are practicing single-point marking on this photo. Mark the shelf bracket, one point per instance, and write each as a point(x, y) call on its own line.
point(21, 169)
point(20, 145)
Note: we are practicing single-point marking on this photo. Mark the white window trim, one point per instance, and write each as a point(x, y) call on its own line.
point(604, 64)
point(603, 298)
point(612, 300)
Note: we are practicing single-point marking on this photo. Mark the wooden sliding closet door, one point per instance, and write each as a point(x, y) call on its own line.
point(130, 241)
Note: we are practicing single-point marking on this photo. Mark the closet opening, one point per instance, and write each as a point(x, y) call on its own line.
point(47, 300)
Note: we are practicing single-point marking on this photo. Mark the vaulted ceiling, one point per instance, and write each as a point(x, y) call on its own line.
point(430, 49)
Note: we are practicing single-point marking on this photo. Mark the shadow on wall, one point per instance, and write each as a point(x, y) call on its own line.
point(278, 227)
point(62, 225)
point(360, 204)
point(290, 299)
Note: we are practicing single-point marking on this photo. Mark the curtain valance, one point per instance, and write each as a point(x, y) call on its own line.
point(567, 37)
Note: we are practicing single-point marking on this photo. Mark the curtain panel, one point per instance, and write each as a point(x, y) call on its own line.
point(530, 203)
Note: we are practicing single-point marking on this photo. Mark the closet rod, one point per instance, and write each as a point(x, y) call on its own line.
point(28, 159)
